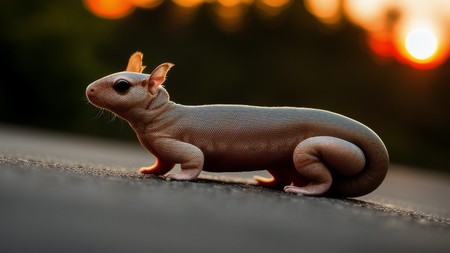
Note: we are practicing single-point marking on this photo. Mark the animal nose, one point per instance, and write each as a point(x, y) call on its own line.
point(90, 92)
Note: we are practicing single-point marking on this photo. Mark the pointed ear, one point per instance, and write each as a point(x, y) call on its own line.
point(135, 63)
point(158, 76)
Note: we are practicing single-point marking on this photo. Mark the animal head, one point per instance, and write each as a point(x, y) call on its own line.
point(129, 90)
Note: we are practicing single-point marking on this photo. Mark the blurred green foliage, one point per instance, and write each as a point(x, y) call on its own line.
point(51, 50)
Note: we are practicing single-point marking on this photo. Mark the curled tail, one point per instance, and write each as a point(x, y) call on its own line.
point(349, 162)
point(371, 176)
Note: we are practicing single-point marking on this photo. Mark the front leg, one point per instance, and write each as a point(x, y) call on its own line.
point(161, 167)
point(187, 155)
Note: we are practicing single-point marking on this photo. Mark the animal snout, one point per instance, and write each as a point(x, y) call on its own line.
point(90, 91)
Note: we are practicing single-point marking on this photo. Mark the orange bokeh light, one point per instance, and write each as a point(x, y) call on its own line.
point(368, 14)
point(229, 14)
point(111, 9)
point(149, 4)
point(327, 11)
point(229, 3)
point(381, 45)
point(272, 8)
point(411, 32)
point(275, 3)
point(395, 29)
point(188, 3)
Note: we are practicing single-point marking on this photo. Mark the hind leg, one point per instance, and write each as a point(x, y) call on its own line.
point(315, 158)
point(161, 167)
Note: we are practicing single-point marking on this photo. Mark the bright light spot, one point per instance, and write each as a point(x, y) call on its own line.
point(365, 13)
point(275, 3)
point(188, 3)
point(229, 3)
point(149, 4)
point(230, 17)
point(111, 9)
point(327, 11)
point(392, 27)
point(421, 44)
point(271, 8)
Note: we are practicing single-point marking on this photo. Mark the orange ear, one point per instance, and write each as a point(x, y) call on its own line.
point(158, 76)
point(135, 63)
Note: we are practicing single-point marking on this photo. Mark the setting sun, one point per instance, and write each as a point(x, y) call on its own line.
point(421, 44)
point(411, 32)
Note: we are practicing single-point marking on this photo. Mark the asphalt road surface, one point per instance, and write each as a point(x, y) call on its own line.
point(63, 193)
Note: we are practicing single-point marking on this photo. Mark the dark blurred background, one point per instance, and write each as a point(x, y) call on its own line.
point(51, 50)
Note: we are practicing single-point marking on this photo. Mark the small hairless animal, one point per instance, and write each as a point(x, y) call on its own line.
point(307, 151)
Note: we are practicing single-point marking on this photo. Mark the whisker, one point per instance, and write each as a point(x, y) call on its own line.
point(121, 123)
point(114, 116)
point(99, 113)
point(107, 115)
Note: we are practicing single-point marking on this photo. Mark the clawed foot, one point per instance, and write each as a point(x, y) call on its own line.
point(175, 177)
point(182, 176)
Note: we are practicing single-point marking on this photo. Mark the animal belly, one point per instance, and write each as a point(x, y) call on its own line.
point(246, 161)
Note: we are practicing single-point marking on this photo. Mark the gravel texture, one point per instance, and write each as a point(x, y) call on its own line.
point(61, 206)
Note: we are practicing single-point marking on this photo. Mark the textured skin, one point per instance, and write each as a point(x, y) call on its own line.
point(307, 151)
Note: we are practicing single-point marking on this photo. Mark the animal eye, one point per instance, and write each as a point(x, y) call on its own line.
point(121, 86)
